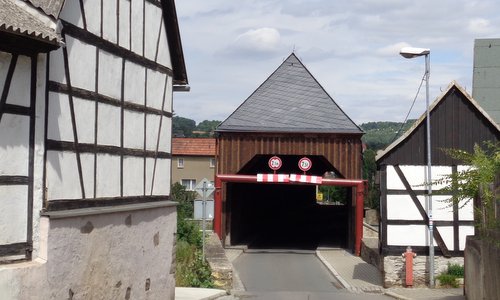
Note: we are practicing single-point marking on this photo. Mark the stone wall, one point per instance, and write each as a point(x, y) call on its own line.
point(394, 269)
point(127, 253)
point(222, 269)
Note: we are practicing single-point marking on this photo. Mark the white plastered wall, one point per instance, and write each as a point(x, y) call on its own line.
point(14, 151)
point(119, 251)
point(101, 256)
point(401, 207)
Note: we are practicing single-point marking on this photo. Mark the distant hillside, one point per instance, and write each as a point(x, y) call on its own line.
point(379, 135)
point(185, 127)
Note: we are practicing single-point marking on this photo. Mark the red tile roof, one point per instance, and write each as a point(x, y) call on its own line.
point(193, 146)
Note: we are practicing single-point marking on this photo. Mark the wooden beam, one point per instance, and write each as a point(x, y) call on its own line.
point(104, 149)
point(13, 180)
point(94, 40)
point(423, 213)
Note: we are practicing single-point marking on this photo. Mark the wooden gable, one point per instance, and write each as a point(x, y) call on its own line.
point(457, 122)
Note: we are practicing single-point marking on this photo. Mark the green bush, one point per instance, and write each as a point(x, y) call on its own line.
point(191, 270)
point(448, 280)
point(189, 232)
point(456, 270)
point(449, 277)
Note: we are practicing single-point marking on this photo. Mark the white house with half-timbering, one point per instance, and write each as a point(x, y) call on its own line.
point(457, 122)
point(85, 148)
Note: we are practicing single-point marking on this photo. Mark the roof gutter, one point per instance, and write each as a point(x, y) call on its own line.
point(181, 88)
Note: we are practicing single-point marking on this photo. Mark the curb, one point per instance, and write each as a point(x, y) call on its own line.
point(334, 272)
point(396, 296)
point(213, 297)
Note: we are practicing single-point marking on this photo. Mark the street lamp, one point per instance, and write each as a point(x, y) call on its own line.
point(411, 52)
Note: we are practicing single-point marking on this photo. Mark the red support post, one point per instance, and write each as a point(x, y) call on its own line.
point(360, 190)
point(218, 207)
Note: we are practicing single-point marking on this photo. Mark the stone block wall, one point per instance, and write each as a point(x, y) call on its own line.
point(395, 270)
point(222, 269)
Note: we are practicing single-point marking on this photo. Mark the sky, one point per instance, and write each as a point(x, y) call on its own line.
point(350, 47)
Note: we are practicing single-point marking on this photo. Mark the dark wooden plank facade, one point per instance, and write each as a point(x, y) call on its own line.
point(343, 151)
point(455, 123)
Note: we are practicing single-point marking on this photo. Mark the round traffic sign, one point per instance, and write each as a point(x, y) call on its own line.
point(305, 164)
point(275, 163)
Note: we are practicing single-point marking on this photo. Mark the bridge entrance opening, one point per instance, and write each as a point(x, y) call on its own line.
point(285, 216)
point(288, 215)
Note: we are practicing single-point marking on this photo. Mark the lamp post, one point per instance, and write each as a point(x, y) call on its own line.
point(410, 52)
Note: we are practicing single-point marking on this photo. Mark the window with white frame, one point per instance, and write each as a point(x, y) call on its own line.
point(212, 162)
point(180, 163)
point(189, 184)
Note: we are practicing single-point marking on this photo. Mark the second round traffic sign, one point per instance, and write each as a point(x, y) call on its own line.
point(305, 164)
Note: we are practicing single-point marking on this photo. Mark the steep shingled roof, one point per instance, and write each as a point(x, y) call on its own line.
point(290, 100)
point(20, 18)
point(193, 146)
point(50, 7)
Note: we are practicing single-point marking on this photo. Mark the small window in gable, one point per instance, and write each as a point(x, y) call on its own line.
point(180, 163)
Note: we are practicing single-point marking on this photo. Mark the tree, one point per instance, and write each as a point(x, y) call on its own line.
point(476, 182)
point(369, 169)
point(379, 135)
point(208, 126)
point(183, 126)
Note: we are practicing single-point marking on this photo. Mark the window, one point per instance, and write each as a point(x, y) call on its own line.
point(189, 184)
point(180, 163)
point(212, 163)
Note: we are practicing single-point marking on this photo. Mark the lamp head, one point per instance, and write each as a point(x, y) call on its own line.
point(411, 52)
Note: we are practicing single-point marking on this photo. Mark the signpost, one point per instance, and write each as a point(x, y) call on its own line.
point(204, 188)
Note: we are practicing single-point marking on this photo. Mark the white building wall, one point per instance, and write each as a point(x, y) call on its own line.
point(401, 207)
point(14, 150)
point(120, 255)
point(119, 252)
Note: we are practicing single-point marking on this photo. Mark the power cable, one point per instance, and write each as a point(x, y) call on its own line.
point(409, 111)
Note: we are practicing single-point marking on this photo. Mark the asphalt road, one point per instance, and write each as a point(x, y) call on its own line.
point(294, 276)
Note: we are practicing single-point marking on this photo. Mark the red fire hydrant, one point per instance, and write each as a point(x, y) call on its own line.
point(408, 256)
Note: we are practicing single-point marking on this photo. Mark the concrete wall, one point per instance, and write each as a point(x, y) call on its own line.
point(137, 244)
point(482, 265)
point(485, 83)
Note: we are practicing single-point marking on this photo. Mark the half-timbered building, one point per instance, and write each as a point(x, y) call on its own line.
point(85, 148)
point(289, 116)
point(457, 122)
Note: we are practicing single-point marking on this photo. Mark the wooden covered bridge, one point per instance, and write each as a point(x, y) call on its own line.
point(289, 116)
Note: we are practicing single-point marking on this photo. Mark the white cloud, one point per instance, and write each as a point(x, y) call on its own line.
point(262, 39)
point(393, 49)
point(351, 47)
point(479, 26)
